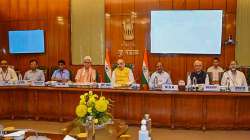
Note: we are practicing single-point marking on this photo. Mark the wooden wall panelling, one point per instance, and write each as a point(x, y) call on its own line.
point(70, 101)
point(3, 39)
point(206, 4)
point(159, 108)
point(165, 4)
point(27, 14)
point(23, 6)
point(120, 106)
point(192, 4)
point(6, 104)
point(135, 104)
point(179, 4)
point(14, 7)
point(188, 111)
point(127, 8)
point(4, 11)
point(42, 9)
point(32, 103)
point(220, 4)
point(116, 37)
point(20, 104)
point(47, 109)
point(175, 64)
point(231, 6)
point(230, 30)
point(243, 112)
point(33, 9)
point(214, 112)
point(173, 109)
point(141, 41)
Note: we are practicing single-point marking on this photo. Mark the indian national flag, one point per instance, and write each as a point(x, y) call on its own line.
point(107, 76)
point(145, 72)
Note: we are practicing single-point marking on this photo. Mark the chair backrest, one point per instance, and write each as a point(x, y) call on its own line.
point(98, 77)
point(210, 75)
point(52, 70)
point(125, 137)
point(248, 76)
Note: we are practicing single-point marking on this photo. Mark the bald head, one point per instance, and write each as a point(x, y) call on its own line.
point(197, 65)
point(233, 65)
point(121, 64)
point(159, 67)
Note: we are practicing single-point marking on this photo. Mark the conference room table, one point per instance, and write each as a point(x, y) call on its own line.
point(172, 109)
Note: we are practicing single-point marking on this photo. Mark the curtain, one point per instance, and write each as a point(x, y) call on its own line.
point(87, 31)
point(243, 32)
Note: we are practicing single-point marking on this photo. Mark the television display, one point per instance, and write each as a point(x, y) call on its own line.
point(26, 41)
point(186, 31)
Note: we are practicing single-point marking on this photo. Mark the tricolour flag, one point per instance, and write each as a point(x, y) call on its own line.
point(145, 72)
point(107, 76)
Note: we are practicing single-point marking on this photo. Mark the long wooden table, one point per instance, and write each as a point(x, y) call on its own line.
point(203, 110)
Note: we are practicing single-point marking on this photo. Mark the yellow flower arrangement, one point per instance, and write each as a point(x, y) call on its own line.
point(81, 110)
point(92, 105)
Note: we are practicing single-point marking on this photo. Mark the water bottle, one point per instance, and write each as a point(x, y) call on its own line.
point(90, 128)
point(20, 77)
point(148, 123)
point(228, 84)
point(143, 132)
point(194, 82)
point(1, 132)
point(155, 82)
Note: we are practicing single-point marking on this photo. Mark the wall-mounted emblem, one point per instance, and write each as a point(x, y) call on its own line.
point(128, 29)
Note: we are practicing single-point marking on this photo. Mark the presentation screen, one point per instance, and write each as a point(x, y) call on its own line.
point(186, 31)
point(26, 41)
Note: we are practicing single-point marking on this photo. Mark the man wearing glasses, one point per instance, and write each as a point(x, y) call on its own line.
point(6, 73)
point(87, 74)
point(233, 77)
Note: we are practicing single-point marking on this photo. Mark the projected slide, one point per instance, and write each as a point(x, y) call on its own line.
point(27, 41)
point(186, 32)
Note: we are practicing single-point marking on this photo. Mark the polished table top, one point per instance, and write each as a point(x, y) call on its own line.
point(108, 132)
point(124, 90)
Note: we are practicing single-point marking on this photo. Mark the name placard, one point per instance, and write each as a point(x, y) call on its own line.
point(105, 85)
point(135, 86)
point(61, 84)
point(38, 83)
point(169, 87)
point(239, 89)
point(211, 88)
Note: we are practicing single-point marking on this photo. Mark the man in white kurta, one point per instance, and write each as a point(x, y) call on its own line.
point(159, 77)
point(87, 74)
point(215, 70)
point(233, 76)
point(7, 74)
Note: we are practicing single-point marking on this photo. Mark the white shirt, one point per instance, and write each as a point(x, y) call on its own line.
point(237, 79)
point(215, 73)
point(9, 75)
point(131, 78)
point(158, 79)
point(36, 75)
